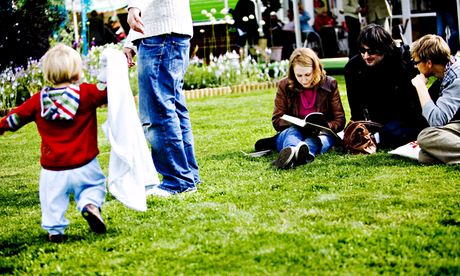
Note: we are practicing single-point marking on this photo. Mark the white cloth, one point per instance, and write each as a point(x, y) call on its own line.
point(130, 166)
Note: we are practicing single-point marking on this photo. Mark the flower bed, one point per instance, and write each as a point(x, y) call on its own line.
point(226, 74)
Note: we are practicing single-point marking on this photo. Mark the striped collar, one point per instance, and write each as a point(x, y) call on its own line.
point(59, 103)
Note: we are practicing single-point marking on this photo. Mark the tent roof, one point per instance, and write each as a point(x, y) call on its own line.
point(98, 5)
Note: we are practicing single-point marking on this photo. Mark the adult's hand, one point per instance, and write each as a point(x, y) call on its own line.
point(135, 21)
point(129, 53)
point(419, 81)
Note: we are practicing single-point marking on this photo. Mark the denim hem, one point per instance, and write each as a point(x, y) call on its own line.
point(174, 192)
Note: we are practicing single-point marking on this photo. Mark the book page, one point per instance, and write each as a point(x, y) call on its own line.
point(293, 120)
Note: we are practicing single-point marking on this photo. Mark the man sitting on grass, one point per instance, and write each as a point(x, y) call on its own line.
point(441, 141)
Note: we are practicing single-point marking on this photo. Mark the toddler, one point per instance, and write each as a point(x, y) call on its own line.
point(65, 115)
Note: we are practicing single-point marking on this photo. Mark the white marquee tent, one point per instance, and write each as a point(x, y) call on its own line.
point(98, 5)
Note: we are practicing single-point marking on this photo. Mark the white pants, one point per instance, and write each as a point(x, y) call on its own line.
point(87, 183)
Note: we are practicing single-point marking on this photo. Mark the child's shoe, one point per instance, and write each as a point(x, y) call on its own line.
point(57, 238)
point(93, 217)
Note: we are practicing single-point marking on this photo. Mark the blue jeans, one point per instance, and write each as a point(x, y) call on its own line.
point(162, 63)
point(448, 19)
point(292, 136)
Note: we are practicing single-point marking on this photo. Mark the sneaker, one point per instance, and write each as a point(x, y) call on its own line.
point(285, 158)
point(302, 154)
point(93, 216)
point(57, 238)
point(157, 191)
point(190, 190)
point(266, 143)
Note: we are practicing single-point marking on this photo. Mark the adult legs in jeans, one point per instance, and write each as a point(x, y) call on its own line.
point(448, 19)
point(440, 144)
point(292, 136)
point(163, 61)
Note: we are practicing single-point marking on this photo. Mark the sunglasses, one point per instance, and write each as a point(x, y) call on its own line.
point(415, 62)
point(369, 51)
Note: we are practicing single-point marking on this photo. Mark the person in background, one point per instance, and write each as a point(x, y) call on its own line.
point(65, 115)
point(246, 24)
point(446, 17)
point(378, 12)
point(273, 28)
point(352, 9)
point(162, 36)
point(96, 29)
point(440, 142)
point(306, 89)
point(378, 81)
point(304, 18)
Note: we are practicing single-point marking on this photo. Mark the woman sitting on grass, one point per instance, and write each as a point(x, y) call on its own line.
point(305, 90)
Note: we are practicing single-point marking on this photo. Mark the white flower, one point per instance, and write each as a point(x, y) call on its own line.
point(213, 10)
point(204, 12)
point(245, 18)
point(251, 16)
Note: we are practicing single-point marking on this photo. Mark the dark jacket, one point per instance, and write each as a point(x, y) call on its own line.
point(384, 94)
point(327, 102)
point(384, 90)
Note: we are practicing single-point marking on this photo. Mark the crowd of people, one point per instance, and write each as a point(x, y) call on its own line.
point(386, 83)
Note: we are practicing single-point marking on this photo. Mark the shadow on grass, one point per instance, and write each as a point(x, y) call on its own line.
point(18, 199)
point(380, 159)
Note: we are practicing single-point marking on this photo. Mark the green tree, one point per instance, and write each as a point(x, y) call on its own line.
point(26, 28)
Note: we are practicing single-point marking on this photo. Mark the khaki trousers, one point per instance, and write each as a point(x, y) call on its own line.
point(440, 144)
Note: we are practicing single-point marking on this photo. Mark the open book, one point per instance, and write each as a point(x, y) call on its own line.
point(315, 120)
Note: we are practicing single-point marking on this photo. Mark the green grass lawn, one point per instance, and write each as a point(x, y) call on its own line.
point(340, 215)
point(196, 6)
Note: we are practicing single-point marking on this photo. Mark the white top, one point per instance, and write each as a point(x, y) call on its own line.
point(162, 17)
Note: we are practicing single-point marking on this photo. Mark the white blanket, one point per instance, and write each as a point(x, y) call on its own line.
point(130, 166)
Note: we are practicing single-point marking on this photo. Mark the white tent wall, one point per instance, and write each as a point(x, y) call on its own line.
point(97, 5)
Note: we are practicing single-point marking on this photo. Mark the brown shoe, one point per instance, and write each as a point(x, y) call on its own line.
point(56, 238)
point(93, 217)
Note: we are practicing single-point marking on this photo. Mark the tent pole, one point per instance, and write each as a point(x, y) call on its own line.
point(295, 9)
point(75, 24)
point(83, 26)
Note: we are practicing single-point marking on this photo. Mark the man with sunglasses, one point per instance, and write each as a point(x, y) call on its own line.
point(378, 81)
point(440, 142)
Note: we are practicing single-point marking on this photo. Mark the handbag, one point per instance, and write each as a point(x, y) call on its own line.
point(359, 137)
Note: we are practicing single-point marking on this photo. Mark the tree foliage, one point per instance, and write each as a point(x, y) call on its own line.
point(26, 28)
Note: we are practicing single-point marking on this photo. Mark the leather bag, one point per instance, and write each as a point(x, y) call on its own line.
point(359, 137)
